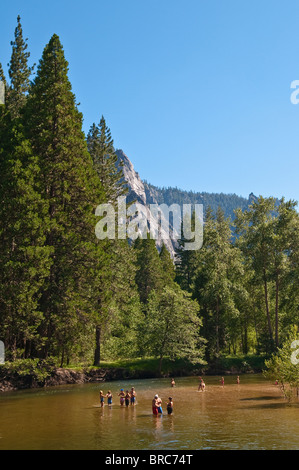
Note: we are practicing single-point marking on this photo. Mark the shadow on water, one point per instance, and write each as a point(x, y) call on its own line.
point(260, 398)
point(274, 406)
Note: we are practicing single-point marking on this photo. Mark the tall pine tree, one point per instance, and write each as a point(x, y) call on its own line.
point(72, 190)
point(19, 72)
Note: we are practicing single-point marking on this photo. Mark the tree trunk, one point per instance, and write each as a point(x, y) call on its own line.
point(267, 308)
point(97, 352)
point(160, 365)
point(217, 327)
point(276, 309)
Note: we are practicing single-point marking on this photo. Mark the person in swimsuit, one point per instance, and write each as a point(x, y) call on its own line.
point(172, 382)
point(127, 398)
point(102, 398)
point(155, 405)
point(199, 385)
point(222, 381)
point(169, 406)
point(133, 396)
point(203, 386)
point(159, 405)
point(109, 397)
point(122, 396)
point(238, 380)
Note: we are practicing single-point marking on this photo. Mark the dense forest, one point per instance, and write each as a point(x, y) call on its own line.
point(67, 295)
point(228, 202)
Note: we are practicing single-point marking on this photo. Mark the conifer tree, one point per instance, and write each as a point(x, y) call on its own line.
point(3, 80)
point(105, 160)
point(167, 266)
point(72, 190)
point(24, 258)
point(19, 72)
point(149, 274)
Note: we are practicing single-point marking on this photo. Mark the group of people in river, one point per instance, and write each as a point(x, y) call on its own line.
point(129, 397)
point(126, 398)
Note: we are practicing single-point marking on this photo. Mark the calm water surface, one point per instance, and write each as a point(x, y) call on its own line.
point(251, 415)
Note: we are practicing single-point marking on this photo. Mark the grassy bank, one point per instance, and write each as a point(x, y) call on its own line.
point(33, 373)
point(225, 364)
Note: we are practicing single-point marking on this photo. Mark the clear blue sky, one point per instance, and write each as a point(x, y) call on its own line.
point(196, 93)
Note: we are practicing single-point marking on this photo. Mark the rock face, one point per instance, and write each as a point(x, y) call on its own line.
point(149, 196)
point(137, 193)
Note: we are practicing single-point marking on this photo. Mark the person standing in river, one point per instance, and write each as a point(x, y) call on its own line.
point(159, 404)
point(127, 398)
point(155, 405)
point(199, 385)
point(122, 396)
point(169, 406)
point(133, 396)
point(109, 397)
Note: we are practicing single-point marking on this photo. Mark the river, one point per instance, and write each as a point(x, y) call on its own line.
point(251, 415)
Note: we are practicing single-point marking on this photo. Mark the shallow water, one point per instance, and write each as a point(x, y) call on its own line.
point(248, 416)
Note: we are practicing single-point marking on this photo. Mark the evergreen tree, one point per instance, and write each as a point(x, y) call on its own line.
point(72, 190)
point(149, 274)
point(105, 160)
point(19, 72)
point(167, 266)
point(24, 258)
point(3, 80)
point(186, 261)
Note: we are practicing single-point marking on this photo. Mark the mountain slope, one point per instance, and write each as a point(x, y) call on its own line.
point(146, 194)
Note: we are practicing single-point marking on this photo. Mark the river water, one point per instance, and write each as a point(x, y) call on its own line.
point(251, 415)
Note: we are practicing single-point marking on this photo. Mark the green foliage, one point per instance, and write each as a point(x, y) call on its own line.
point(38, 370)
point(172, 326)
point(283, 368)
point(19, 73)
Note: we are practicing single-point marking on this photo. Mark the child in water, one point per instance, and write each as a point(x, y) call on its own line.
point(133, 396)
point(109, 397)
point(169, 406)
point(101, 398)
point(172, 382)
point(127, 398)
point(122, 396)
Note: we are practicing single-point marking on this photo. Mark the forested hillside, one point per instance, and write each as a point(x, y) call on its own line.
point(228, 202)
point(68, 296)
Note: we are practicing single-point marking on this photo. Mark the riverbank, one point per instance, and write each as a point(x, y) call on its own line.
point(28, 374)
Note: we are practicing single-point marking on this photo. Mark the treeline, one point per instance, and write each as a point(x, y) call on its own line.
point(64, 294)
point(246, 286)
point(67, 295)
point(228, 202)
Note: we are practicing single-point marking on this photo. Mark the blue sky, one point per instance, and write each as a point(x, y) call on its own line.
point(196, 93)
